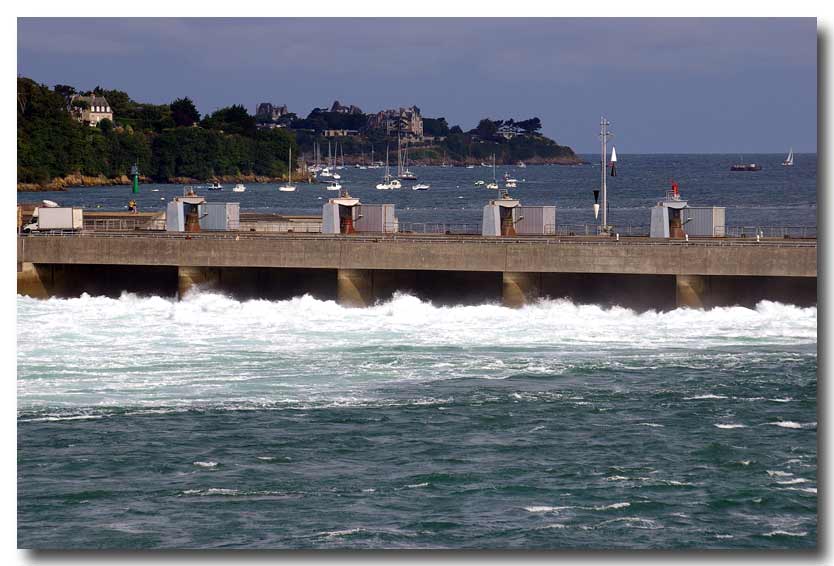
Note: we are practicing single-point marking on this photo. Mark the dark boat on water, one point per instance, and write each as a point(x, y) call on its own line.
point(746, 167)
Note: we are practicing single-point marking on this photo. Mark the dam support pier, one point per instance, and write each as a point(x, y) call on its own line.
point(189, 277)
point(355, 287)
point(520, 288)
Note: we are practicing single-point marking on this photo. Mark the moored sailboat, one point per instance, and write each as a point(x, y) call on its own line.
point(289, 187)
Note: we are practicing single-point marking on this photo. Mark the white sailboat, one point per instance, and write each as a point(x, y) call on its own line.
point(494, 183)
point(788, 162)
point(239, 188)
point(385, 185)
point(406, 174)
point(289, 187)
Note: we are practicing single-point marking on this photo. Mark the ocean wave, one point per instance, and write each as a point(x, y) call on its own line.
point(729, 425)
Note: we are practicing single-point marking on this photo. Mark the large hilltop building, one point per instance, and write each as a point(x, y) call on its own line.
point(340, 109)
point(406, 121)
point(90, 109)
point(270, 112)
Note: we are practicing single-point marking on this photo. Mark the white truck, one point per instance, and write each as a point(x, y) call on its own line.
point(55, 218)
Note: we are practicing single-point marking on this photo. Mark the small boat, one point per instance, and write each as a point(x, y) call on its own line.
point(334, 186)
point(479, 183)
point(239, 188)
point(470, 166)
point(492, 185)
point(50, 204)
point(788, 162)
point(215, 186)
point(521, 164)
point(289, 187)
point(154, 190)
point(421, 187)
point(746, 167)
point(510, 184)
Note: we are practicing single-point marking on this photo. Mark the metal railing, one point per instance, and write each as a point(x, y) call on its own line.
point(123, 224)
point(281, 227)
point(433, 228)
point(771, 231)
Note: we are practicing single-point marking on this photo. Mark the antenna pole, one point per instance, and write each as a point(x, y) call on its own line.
point(604, 134)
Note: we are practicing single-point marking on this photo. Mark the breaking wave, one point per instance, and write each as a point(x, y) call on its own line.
point(207, 349)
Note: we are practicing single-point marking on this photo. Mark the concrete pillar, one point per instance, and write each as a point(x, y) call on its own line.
point(691, 291)
point(34, 280)
point(189, 277)
point(354, 287)
point(520, 288)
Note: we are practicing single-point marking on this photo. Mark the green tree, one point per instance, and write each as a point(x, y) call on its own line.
point(231, 120)
point(435, 127)
point(184, 113)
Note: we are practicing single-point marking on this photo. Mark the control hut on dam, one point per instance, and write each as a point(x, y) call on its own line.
point(505, 216)
point(672, 217)
point(347, 215)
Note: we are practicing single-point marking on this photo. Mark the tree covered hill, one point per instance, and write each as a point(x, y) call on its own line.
point(172, 142)
point(168, 141)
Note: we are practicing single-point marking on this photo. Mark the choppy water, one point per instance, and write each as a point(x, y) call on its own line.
point(775, 196)
point(146, 422)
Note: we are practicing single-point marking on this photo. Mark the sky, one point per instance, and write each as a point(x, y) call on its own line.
point(675, 85)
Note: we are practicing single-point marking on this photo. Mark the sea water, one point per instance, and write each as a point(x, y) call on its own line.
point(146, 422)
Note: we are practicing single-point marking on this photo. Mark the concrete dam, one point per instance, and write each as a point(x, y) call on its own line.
point(357, 270)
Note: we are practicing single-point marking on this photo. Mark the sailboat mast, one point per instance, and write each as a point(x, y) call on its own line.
point(289, 165)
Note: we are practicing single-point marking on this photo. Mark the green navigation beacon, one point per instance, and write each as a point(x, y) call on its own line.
point(134, 172)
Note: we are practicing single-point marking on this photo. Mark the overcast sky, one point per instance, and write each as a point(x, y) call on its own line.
point(667, 85)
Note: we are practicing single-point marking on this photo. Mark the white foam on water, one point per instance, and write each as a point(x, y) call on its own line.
point(342, 533)
point(653, 425)
point(415, 485)
point(786, 533)
point(211, 491)
point(793, 481)
point(205, 464)
point(707, 396)
point(621, 505)
point(546, 509)
point(794, 425)
point(778, 473)
point(729, 425)
point(153, 353)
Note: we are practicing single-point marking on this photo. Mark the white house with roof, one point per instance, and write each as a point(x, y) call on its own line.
point(91, 109)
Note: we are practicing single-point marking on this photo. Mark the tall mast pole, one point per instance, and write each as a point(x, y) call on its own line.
point(604, 134)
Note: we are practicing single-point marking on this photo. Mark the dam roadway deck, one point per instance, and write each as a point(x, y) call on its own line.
point(643, 271)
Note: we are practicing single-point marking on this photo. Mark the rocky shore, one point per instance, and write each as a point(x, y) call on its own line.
point(78, 180)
